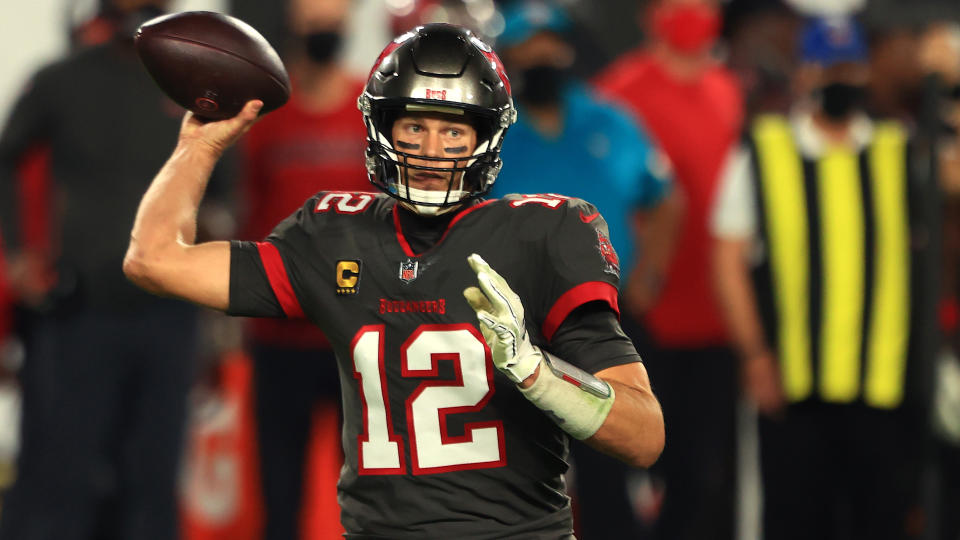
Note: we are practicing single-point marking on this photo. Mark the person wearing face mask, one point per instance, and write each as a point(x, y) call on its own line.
point(569, 141)
point(693, 107)
point(820, 281)
point(314, 143)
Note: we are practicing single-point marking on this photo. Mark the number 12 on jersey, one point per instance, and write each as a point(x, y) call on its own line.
point(432, 449)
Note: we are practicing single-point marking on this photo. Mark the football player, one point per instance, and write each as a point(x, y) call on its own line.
point(472, 336)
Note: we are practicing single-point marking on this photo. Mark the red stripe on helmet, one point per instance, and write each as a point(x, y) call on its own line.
point(498, 65)
point(392, 46)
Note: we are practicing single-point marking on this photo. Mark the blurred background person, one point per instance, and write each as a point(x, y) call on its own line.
point(107, 367)
point(818, 268)
point(313, 143)
point(762, 52)
point(570, 142)
point(693, 107)
point(938, 51)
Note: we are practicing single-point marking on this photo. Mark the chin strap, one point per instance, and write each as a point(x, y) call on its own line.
point(426, 196)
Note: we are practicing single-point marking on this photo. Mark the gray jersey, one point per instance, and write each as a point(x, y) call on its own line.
point(437, 443)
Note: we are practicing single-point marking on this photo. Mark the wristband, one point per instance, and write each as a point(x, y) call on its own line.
point(576, 400)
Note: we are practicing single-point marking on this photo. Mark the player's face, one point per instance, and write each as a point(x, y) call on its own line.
point(433, 135)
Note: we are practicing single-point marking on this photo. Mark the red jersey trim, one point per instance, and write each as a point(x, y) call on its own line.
point(576, 297)
point(279, 280)
point(406, 245)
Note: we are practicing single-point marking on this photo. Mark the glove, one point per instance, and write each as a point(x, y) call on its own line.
point(500, 313)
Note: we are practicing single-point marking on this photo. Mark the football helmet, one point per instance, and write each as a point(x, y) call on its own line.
point(436, 68)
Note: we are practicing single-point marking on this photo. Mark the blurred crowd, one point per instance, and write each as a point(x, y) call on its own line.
point(781, 180)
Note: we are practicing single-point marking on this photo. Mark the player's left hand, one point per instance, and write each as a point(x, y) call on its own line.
point(500, 313)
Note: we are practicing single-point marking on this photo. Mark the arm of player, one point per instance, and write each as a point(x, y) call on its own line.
point(633, 431)
point(162, 256)
point(615, 411)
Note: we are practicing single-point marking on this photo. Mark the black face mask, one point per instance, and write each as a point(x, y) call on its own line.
point(839, 100)
point(541, 85)
point(322, 46)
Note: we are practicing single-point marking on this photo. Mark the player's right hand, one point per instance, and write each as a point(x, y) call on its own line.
point(220, 135)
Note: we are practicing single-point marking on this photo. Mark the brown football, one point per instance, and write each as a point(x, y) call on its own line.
point(212, 63)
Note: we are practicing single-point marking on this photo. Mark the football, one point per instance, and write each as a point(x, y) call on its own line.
point(211, 63)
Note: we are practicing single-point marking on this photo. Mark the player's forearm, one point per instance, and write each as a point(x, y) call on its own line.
point(613, 411)
point(633, 430)
point(166, 218)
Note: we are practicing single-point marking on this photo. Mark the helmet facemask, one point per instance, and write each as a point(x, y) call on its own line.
point(467, 177)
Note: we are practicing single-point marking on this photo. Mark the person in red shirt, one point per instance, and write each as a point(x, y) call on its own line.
point(693, 107)
point(315, 142)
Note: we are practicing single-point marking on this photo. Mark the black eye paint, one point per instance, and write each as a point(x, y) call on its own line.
point(455, 150)
point(409, 146)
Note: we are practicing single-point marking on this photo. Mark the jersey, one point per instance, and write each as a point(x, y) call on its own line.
point(437, 442)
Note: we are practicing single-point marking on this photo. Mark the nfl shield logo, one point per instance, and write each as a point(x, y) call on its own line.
point(408, 270)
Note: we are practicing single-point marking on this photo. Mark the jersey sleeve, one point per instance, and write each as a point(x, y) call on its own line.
point(250, 292)
point(580, 265)
point(591, 338)
point(266, 277)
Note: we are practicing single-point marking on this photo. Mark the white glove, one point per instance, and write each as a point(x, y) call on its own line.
point(500, 313)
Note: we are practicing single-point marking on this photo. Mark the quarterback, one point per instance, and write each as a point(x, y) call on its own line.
point(472, 336)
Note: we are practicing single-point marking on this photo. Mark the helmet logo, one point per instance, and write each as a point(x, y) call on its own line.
point(441, 94)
